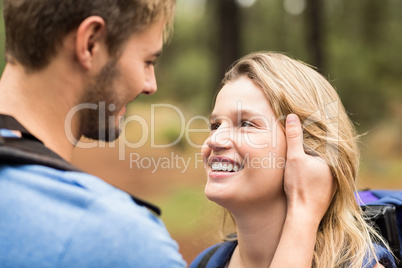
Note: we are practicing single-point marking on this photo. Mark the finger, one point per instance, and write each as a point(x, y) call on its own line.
point(294, 136)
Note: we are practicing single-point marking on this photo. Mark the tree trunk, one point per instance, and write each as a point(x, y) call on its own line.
point(315, 33)
point(228, 48)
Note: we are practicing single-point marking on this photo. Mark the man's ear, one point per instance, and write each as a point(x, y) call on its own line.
point(90, 42)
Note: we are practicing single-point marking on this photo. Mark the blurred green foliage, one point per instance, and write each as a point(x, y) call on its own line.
point(192, 204)
point(362, 41)
point(361, 44)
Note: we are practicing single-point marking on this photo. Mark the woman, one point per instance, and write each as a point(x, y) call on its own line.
point(285, 217)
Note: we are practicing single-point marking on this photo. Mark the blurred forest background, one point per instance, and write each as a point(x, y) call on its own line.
point(356, 44)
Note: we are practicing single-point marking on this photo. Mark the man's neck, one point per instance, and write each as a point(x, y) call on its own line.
point(40, 102)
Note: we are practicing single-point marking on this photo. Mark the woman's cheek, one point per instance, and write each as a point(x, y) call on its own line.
point(256, 140)
point(205, 149)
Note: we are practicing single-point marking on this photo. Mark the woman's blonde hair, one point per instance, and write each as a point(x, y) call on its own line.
point(344, 239)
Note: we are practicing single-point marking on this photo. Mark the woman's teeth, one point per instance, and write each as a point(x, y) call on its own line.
point(225, 167)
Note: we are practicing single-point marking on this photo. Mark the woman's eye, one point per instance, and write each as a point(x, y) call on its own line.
point(214, 126)
point(246, 123)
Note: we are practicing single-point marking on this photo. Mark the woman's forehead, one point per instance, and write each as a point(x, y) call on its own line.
point(241, 96)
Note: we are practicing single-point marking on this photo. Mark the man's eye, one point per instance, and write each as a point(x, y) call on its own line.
point(151, 63)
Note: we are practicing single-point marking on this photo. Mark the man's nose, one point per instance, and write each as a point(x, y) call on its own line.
point(150, 86)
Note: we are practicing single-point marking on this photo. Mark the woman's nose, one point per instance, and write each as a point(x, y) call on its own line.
point(221, 138)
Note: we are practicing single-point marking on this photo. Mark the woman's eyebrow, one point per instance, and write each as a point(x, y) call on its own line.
point(249, 113)
point(237, 113)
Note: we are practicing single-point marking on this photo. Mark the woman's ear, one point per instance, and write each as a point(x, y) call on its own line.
point(90, 43)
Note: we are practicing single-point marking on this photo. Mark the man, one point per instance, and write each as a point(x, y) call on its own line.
point(60, 55)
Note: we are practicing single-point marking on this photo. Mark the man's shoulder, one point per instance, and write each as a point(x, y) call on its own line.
point(45, 180)
point(67, 190)
point(76, 217)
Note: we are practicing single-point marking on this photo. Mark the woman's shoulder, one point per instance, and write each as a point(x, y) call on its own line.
point(215, 256)
point(385, 258)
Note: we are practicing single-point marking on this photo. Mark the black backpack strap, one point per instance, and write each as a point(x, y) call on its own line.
point(149, 206)
point(9, 122)
point(384, 218)
point(204, 261)
point(29, 150)
point(217, 256)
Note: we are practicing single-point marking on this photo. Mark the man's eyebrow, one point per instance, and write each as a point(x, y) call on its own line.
point(157, 53)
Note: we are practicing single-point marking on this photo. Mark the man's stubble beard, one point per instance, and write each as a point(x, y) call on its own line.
point(95, 123)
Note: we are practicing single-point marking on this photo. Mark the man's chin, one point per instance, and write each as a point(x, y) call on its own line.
point(105, 136)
